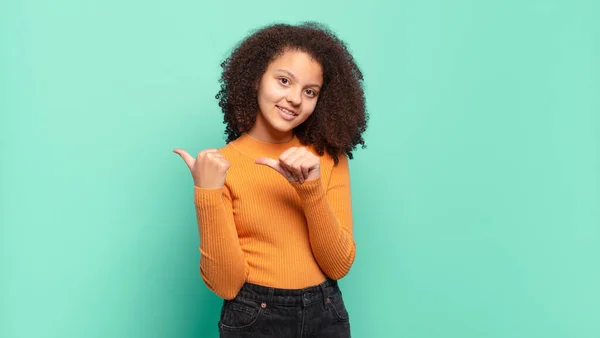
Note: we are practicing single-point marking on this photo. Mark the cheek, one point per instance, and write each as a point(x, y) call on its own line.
point(271, 93)
point(310, 106)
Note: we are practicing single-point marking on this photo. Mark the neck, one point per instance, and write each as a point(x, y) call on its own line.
point(261, 132)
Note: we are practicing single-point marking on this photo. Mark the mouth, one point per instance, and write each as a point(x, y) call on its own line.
point(287, 111)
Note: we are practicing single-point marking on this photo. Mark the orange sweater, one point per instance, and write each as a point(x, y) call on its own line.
point(261, 228)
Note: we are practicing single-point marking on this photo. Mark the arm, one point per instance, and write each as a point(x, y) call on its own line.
point(329, 215)
point(222, 263)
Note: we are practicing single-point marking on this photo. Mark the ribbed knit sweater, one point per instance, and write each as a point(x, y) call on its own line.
point(261, 228)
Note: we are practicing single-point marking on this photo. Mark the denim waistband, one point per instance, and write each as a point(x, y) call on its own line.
point(289, 297)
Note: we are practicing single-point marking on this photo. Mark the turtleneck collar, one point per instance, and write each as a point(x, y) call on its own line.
point(255, 148)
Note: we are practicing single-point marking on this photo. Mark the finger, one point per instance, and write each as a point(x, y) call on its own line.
point(288, 174)
point(289, 157)
point(214, 155)
point(290, 170)
point(273, 164)
point(287, 153)
point(287, 169)
point(187, 158)
point(304, 167)
point(206, 151)
point(297, 168)
point(296, 161)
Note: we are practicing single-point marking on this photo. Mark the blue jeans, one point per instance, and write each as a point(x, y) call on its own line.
point(313, 312)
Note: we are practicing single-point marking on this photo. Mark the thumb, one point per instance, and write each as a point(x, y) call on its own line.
point(271, 163)
point(187, 158)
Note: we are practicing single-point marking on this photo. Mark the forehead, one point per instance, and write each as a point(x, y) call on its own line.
point(302, 65)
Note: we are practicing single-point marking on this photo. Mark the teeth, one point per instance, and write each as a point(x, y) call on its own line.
point(286, 111)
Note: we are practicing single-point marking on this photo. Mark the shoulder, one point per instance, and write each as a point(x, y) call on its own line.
point(226, 150)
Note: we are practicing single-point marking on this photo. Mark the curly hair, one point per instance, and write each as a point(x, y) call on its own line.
point(339, 118)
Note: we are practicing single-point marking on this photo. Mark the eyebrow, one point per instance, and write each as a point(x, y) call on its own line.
point(293, 77)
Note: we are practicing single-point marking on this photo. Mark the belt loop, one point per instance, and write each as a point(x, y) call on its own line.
point(324, 294)
point(269, 300)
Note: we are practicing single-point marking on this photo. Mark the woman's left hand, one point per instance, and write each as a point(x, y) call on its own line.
point(295, 164)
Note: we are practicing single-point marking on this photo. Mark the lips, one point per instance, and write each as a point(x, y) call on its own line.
point(287, 110)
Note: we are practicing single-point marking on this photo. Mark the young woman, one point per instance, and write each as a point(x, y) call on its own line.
point(273, 205)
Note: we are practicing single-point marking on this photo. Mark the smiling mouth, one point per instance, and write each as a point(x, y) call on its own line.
point(285, 111)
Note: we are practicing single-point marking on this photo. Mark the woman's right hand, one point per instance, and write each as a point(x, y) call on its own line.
point(208, 169)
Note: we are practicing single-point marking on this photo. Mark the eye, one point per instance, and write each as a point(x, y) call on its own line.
point(311, 93)
point(284, 79)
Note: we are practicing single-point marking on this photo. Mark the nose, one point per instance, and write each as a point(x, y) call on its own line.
point(294, 97)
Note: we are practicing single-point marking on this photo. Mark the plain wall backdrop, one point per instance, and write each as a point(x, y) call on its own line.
point(476, 202)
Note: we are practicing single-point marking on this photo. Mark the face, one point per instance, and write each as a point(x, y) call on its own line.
point(287, 94)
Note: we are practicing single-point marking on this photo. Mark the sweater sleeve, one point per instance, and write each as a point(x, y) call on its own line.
point(328, 212)
point(222, 263)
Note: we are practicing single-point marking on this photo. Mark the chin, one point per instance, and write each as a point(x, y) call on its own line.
point(283, 129)
point(282, 126)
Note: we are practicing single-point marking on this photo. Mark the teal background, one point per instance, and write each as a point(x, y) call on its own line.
point(476, 202)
